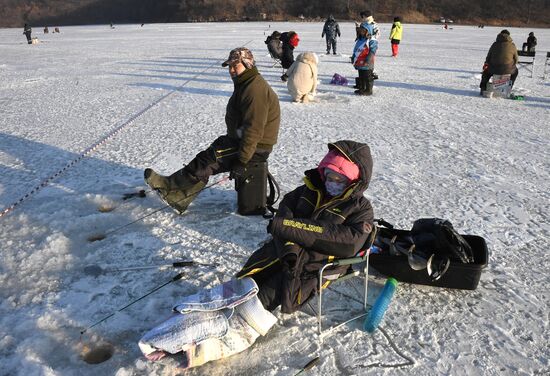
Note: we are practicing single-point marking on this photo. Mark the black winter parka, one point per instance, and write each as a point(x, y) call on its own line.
point(288, 50)
point(311, 229)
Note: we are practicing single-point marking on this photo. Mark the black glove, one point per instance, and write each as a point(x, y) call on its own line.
point(237, 170)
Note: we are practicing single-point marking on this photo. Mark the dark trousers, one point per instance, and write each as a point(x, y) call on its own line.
point(29, 39)
point(365, 73)
point(270, 287)
point(219, 157)
point(487, 74)
point(331, 42)
point(288, 282)
point(365, 82)
point(527, 47)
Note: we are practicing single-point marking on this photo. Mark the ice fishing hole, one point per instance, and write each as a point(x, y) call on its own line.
point(97, 353)
point(96, 237)
point(93, 270)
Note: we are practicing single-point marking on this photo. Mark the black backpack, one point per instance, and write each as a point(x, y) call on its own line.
point(437, 236)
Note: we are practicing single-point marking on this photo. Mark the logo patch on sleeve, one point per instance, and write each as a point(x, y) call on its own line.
point(302, 226)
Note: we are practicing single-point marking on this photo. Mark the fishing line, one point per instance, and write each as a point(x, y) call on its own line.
point(409, 360)
point(164, 207)
point(100, 142)
point(175, 278)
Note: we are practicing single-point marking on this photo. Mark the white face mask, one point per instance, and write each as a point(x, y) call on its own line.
point(334, 188)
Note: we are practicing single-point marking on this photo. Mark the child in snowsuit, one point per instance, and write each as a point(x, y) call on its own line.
point(326, 217)
point(395, 36)
point(363, 59)
point(331, 30)
point(366, 16)
point(302, 77)
point(27, 31)
point(290, 41)
point(529, 46)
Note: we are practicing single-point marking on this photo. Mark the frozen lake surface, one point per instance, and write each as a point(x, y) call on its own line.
point(85, 111)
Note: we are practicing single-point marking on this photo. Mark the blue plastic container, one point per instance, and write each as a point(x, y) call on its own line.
point(380, 306)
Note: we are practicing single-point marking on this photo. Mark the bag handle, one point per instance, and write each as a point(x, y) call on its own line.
point(382, 222)
point(273, 197)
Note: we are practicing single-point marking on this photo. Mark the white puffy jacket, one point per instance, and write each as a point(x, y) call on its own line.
point(302, 77)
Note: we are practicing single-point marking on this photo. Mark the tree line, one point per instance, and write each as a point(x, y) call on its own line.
point(14, 13)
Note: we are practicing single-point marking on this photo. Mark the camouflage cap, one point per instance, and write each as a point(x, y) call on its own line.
point(240, 55)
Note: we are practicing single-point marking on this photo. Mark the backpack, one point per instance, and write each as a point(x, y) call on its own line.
point(437, 236)
point(338, 80)
point(252, 196)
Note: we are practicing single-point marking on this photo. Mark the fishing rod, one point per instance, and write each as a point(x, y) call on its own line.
point(96, 270)
point(174, 279)
point(312, 363)
point(164, 207)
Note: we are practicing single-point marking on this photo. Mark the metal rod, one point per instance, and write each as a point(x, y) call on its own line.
point(162, 208)
point(177, 277)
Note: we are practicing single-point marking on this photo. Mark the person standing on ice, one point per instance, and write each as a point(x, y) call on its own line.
point(27, 30)
point(331, 30)
point(290, 41)
point(395, 36)
point(363, 59)
point(328, 216)
point(252, 118)
point(366, 16)
point(501, 59)
point(529, 46)
point(302, 77)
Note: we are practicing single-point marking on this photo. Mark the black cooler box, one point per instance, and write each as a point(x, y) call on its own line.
point(458, 276)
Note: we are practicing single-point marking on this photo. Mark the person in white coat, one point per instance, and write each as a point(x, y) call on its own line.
point(302, 77)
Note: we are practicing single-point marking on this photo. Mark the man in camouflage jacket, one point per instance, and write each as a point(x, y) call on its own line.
point(252, 119)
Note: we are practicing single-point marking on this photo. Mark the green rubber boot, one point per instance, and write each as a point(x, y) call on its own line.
point(178, 190)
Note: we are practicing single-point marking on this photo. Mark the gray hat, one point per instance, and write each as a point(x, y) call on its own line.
point(240, 55)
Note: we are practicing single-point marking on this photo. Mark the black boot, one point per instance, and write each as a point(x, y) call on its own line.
point(361, 86)
point(356, 83)
point(366, 83)
point(369, 83)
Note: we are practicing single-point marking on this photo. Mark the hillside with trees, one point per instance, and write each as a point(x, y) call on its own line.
point(14, 13)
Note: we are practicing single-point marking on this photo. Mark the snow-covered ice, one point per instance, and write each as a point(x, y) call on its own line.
point(440, 150)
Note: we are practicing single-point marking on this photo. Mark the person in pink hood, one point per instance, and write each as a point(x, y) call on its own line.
point(328, 216)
